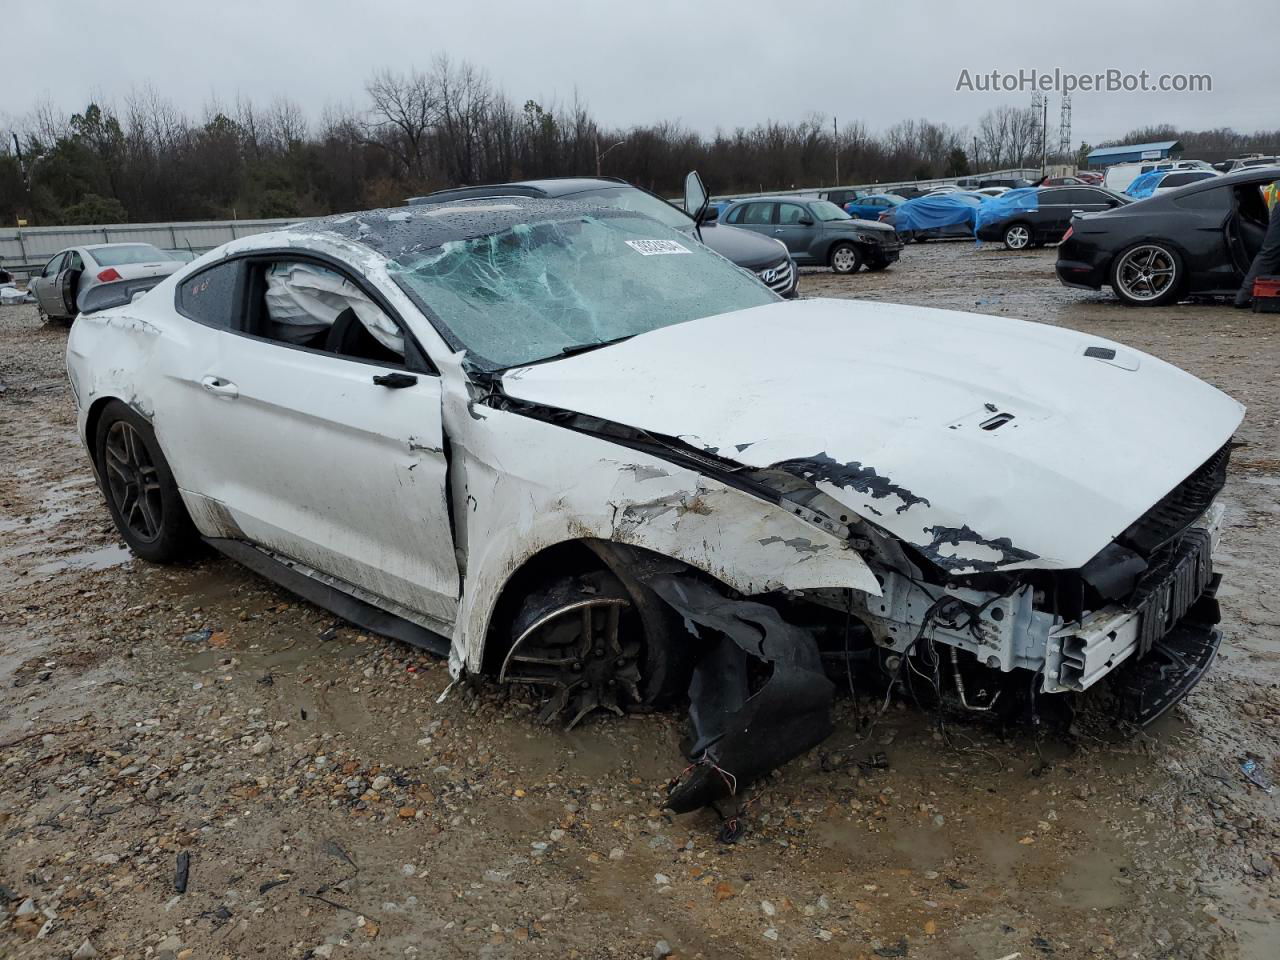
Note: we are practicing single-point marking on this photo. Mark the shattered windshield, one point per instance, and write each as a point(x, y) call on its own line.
point(540, 290)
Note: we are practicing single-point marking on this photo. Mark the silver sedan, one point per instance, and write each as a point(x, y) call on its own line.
point(72, 272)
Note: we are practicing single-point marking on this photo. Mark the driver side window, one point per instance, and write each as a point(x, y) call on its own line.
point(53, 266)
point(790, 213)
point(303, 304)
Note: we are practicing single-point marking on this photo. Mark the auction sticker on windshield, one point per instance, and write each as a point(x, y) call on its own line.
point(652, 248)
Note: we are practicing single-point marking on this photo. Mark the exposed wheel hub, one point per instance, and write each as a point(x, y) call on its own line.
point(572, 642)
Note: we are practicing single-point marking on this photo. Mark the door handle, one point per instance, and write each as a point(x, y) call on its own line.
point(220, 387)
point(395, 381)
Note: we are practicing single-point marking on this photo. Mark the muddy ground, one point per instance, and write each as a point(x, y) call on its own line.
point(327, 805)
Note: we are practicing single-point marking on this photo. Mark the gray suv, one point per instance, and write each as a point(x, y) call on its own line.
point(817, 232)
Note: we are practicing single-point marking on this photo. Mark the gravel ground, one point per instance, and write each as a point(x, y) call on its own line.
point(196, 764)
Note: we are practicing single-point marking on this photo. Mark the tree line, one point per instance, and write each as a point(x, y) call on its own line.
point(449, 125)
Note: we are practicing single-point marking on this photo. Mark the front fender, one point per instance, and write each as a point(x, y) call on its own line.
point(522, 485)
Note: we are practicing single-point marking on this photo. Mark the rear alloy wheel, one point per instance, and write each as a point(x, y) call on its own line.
point(141, 493)
point(1147, 275)
point(1017, 236)
point(580, 642)
point(845, 258)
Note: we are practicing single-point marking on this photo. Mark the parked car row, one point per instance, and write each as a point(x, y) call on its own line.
point(817, 232)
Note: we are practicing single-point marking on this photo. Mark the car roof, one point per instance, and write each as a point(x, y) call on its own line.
point(395, 232)
point(776, 199)
point(1258, 175)
point(548, 187)
point(104, 246)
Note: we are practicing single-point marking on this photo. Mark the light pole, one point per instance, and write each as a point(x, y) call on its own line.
point(600, 156)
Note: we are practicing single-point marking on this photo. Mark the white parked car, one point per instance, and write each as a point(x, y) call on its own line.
point(569, 448)
point(1180, 178)
point(71, 273)
point(1118, 176)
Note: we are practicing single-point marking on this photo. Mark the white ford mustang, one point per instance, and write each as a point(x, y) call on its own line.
point(570, 448)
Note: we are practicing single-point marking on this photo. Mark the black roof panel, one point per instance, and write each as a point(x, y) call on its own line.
point(397, 231)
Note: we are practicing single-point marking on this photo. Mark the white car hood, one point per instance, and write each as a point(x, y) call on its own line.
point(883, 405)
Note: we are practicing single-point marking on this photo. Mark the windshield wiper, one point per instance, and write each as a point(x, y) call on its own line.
point(596, 345)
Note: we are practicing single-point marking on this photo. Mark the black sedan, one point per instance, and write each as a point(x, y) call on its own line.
point(1198, 239)
point(1048, 220)
point(767, 259)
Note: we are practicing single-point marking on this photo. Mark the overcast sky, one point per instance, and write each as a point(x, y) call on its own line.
point(706, 63)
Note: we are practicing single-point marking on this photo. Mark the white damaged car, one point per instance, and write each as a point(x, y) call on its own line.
point(568, 448)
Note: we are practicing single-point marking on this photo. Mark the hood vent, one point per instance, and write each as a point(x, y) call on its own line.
point(996, 422)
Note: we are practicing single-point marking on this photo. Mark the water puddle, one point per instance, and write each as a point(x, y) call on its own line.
point(97, 558)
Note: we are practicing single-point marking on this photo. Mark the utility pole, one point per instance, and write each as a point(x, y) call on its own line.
point(976, 168)
point(835, 130)
point(1044, 138)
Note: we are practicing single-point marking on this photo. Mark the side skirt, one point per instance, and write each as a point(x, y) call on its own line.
point(333, 595)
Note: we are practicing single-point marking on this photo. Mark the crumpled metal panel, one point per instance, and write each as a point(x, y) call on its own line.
point(985, 442)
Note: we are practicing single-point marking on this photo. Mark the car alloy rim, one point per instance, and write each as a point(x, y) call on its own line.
point(579, 652)
point(1017, 237)
point(133, 481)
point(1146, 272)
point(843, 259)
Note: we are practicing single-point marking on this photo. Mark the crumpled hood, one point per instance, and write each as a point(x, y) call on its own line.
point(988, 443)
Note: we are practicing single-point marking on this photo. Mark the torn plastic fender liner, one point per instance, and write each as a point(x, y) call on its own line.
point(740, 736)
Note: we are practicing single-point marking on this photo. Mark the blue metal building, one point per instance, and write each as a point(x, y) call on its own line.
point(1133, 153)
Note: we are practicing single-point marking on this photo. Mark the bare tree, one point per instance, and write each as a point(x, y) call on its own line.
point(405, 108)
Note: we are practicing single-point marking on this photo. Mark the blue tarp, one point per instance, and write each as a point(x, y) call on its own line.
point(1146, 183)
point(936, 210)
point(998, 208)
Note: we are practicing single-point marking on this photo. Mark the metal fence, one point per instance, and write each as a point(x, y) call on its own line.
point(24, 250)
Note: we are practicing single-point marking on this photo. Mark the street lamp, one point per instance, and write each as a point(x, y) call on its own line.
point(600, 156)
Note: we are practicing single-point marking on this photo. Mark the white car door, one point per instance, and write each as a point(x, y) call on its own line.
point(336, 461)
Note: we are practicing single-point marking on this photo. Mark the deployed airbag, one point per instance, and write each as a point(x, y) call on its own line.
point(303, 301)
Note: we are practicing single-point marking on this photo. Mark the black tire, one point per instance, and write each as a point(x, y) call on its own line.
point(845, 258)
point(920, 239)
point(1018, 236)
point(141, 493)
point(1159, 263)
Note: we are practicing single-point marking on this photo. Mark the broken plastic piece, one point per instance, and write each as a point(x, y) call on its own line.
point(739, 736)
point(1256, 775)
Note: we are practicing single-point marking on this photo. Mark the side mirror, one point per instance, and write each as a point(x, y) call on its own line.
point(711, 215)
point(695, 196)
